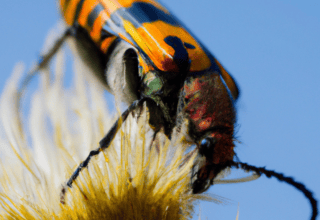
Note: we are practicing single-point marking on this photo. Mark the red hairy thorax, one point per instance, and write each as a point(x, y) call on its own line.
point(208, 104)
point(210, 112)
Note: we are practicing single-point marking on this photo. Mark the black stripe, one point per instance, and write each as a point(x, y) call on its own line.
point(66, 4)
point(146, 13)
point(105, 34)
point(112, 46)
point(106, 31)
point(181, 56)
point(78, 10)
point(94, 14)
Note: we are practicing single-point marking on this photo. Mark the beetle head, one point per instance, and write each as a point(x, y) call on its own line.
point(207, 106)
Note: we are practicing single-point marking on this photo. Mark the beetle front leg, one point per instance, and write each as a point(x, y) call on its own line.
point(104, 143)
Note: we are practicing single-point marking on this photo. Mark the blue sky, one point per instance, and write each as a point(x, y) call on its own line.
point(272, 48)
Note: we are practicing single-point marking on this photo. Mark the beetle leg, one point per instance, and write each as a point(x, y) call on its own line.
point(104, 143)
point(42, 63)
point(45, 59)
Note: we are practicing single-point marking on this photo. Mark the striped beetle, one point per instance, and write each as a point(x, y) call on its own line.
point(143, 54)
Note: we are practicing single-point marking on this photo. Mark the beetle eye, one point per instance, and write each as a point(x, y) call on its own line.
point(207, 146)
point(200, 186)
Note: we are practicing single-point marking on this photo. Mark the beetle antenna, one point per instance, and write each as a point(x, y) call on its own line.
point(270, 173)
point(104, 143)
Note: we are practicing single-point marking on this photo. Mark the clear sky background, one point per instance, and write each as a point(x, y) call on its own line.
point(272, 48)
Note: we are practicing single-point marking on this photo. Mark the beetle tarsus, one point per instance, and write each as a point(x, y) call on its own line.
point(62, 195)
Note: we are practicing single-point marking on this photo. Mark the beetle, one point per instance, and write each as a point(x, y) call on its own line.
point(142, 53)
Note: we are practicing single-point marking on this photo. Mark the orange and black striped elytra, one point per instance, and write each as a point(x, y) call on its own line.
point(142, 53)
